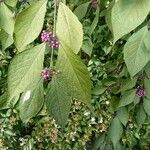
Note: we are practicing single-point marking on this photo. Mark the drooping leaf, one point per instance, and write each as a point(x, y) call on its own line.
point(140, 115)
point(81, 10)
point(5, 39)
point(75, 74)
point(146, 105)
point(127, 98)
point(115, 131)
point(11, 3)
point(25, 69)
point(69, 29)
point(126, 15)
point(58, 100)
point(6, 19)
point(29, 24)
point(136, 54)
point(123, 115)
point(31, 101)
point(95, 21)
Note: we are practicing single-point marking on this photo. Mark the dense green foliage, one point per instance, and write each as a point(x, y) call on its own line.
point(97, 94)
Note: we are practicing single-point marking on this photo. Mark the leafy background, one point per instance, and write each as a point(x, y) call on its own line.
point(115, 52)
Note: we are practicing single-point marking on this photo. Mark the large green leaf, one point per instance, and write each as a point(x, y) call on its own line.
point(5, 39)
point(127, 98)
point(81, 10)
point(75, 74)
point(69, 29)
point(6, 19)
point(58, 100)
point(11, 3)
point(136, 52)
point(31, 101)
point(115, 131)
point(25, 69)
point(126, 15)
point(29, 24)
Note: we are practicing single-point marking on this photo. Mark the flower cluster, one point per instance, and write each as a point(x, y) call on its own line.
point(94, 3)
point(50, 38)
point(48, 73)
point(140, 92)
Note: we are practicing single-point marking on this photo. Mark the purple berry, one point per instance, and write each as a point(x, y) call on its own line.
point(140, 92)
point(45, 74)
point(50, 38)
point(48, 73)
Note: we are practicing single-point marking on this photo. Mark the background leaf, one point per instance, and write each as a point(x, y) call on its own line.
point(136, 53)
point(126, 15)
point(29, 24)
point(81, 10)
point(140, 115)
point(115, 131)
point(25, 69)
point(146, 105)
point(127, 98)
point(123, 115)
point(69, 29)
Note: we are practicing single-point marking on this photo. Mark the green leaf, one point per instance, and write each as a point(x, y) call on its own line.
point(5, 39)
point(98, 90)
point(87, 46)
point(140, 115)
point(81, 10)
point(147, 69)
point(95, 21)
point(75, 74)
point(31, 101)
point(115, 131)
point(147, 87)
point(25, 69)
point(99, 141)
point(136, 54)
point(11, 3)
point(3, 101)
point(58, 100)
point(6, 19)
point(123, 115)
point(146, 105)
point(128, 84)
point(126, 15)
point(127, 98)
point(29, 24)
point(69, 29)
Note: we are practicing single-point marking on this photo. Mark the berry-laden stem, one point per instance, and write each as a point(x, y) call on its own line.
point(54, 31)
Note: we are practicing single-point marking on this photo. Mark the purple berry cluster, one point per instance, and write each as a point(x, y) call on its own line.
point(50, 38)
point(94, 3)
point(48, 73)
point(140, 91)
